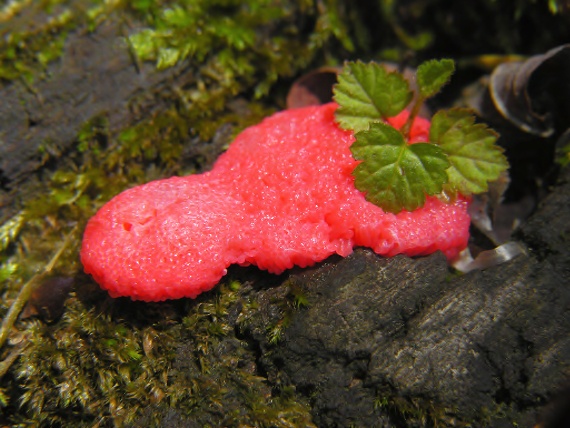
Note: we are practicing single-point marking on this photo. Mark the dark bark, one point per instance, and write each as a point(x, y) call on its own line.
point(97, 76)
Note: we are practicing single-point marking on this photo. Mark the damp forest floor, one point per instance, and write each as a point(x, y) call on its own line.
point(100, 96)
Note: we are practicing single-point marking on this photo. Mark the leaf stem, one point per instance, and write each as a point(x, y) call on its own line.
point(407, 128)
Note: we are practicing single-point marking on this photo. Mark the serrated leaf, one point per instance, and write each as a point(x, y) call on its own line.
point(368, 93)
point(432, 75)
point(393, 174)
point(470, 147)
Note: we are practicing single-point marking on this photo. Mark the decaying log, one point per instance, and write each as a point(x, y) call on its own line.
point(387, 342)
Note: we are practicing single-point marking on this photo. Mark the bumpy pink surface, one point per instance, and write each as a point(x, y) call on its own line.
point(282, 195)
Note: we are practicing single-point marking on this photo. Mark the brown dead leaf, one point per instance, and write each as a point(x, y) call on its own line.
point(313, 88)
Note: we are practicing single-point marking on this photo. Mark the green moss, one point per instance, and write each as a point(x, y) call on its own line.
point(240, 43)
point(563, 155)
point(276, 316)
point(415, 411)
point(90, 365)
point(34, 34)
point(242, 47)
point(294, 300)
point(10, 230)
point(209, 328)
point(24, 52)
point(91, 368)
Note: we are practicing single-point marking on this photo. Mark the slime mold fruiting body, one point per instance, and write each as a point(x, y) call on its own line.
point(282, 195)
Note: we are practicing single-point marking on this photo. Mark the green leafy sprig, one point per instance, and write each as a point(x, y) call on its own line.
point(460, 157)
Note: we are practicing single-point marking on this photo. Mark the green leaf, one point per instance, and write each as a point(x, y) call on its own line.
point(432, 75)
point(393, 174)
point(475, 158)
point(368, 93)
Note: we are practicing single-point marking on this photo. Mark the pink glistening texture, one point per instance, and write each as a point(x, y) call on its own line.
point(282, 195)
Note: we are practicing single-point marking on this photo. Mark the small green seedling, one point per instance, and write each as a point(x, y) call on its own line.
point(460, 158)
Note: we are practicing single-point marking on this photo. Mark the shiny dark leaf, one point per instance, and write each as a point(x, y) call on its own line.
point(534, 95)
